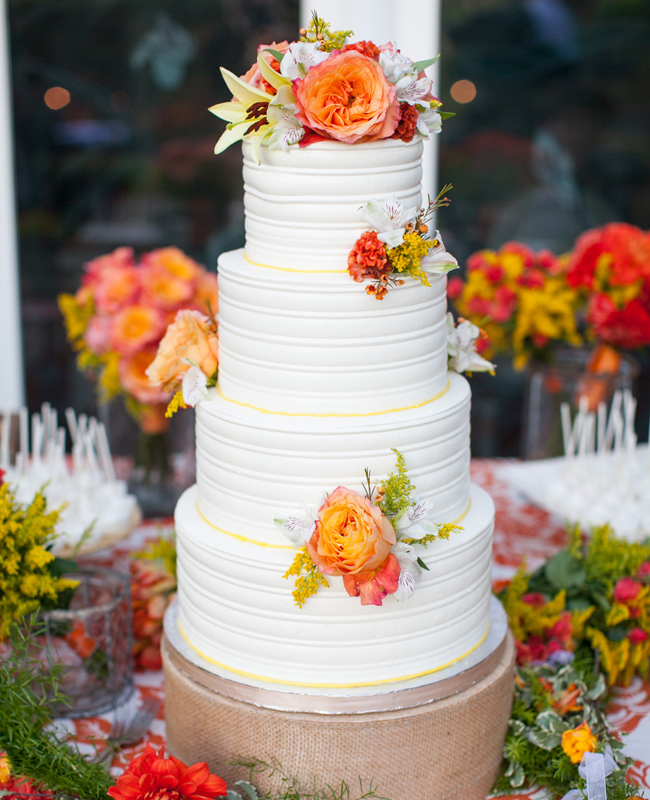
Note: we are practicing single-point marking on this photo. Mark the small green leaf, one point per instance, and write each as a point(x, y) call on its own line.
point(564, 571)
point(543, 739)
point(517, 726)
point(420, 66)
point(250, 790)
point(232, 795)
point(446, 114)
point(276, 55)
point(598, 689)
point(617, 633)
point(551, 722)
point(422, 564)
point(518, 777)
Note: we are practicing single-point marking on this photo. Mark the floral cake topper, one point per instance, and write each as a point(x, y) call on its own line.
point(321, 88)
point(369, 540)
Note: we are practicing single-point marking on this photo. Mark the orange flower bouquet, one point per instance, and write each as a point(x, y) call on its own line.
point(117, 318)
point(115, 323)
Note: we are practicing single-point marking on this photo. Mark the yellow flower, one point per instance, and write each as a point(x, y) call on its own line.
point(578, 741)
point(406, 257)
point(5, 769)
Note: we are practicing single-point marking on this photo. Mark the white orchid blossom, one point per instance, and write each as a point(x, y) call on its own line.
point(414, 522)
point(438, 261)
point(409, 574)
point(412, 90)
point(389, 219)
point(299, 58)
point(461, 347)
point(195, 384)
point(299, 529)
point(281, 114)
point(396, 66)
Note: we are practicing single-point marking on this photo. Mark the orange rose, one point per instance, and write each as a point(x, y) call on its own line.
point(353, 539)
point(175, 262)
point(133, 378)
point(134, 327)
point(163, 289)
point(578, 741)
point(347, 98)
point(188, 337)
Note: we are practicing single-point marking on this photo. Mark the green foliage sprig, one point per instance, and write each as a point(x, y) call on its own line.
point(27, 689)
point(291, 788)
point(308, 584)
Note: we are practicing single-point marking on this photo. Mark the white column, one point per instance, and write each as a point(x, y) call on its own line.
point(414, 25)
point(11, 358)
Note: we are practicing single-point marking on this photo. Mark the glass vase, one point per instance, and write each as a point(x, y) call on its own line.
point(92, 643)
point(565, 380)
point(157, 461)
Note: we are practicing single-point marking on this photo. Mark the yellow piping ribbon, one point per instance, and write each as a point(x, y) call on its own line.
point(301, 271)
point(332, 685)
point(367, 414)
point(246, 540)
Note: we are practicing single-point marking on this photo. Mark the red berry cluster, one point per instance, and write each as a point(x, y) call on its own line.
point(368, 258)
point(405, 129)
point(365, 48)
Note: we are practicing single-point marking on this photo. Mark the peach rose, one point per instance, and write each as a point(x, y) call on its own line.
point(188, 337)
point(132, 372)
point(134, 327)
point(353, 539)
point(173, 261)
point(347, 98)
point(578, 741)
point(97, 335)
point(164, 290)
point(112, 279)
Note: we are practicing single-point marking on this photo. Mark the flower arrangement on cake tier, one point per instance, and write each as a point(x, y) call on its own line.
point(369, 540)
point(322, 89)
point(115, 322)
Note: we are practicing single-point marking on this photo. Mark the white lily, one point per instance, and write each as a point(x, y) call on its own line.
point(438, 261)
point(411, 89)
point(299, 531)
point(236, 112)
point(281, 114)
point(409, 570)
point(389, 219)
point(300, 57)
point(461, 347)
point(396, 66)
point(195, 385)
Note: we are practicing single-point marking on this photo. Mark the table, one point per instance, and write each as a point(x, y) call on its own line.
point(521, 530)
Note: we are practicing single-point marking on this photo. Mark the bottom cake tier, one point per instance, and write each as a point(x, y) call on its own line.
point(236, 610)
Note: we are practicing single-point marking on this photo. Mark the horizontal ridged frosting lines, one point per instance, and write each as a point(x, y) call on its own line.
point(318, 344)
point(304, 207)
point(253, 467)
point(237, 609)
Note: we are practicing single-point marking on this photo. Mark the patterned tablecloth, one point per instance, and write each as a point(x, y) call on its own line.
point(521, 530)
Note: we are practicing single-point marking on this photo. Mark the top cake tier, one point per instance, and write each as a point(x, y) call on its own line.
point(304, 207)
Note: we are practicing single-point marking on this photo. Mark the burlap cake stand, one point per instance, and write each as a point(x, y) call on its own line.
point(439, 741)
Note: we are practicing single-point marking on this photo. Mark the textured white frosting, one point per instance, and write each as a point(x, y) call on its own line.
point(303, 207)
point(318, 381)
point(237, 611)
point(318, 344)
point(253, 467)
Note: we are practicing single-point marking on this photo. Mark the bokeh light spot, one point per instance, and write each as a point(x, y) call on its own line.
point(57, 97)
point(463, 91)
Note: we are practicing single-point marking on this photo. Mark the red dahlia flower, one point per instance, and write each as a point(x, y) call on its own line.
point(151, 776)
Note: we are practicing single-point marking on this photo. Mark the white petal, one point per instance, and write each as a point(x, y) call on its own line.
point(194, 386)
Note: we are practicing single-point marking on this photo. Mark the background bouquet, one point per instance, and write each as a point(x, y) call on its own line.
point(119, 315)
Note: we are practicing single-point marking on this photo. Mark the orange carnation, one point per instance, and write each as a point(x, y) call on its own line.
point(353, 539)
point(134, 327)
point(188, 337)
point(348, 98)
point(578, 741)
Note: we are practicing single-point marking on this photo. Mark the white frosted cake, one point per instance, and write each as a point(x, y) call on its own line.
point(319, 380)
